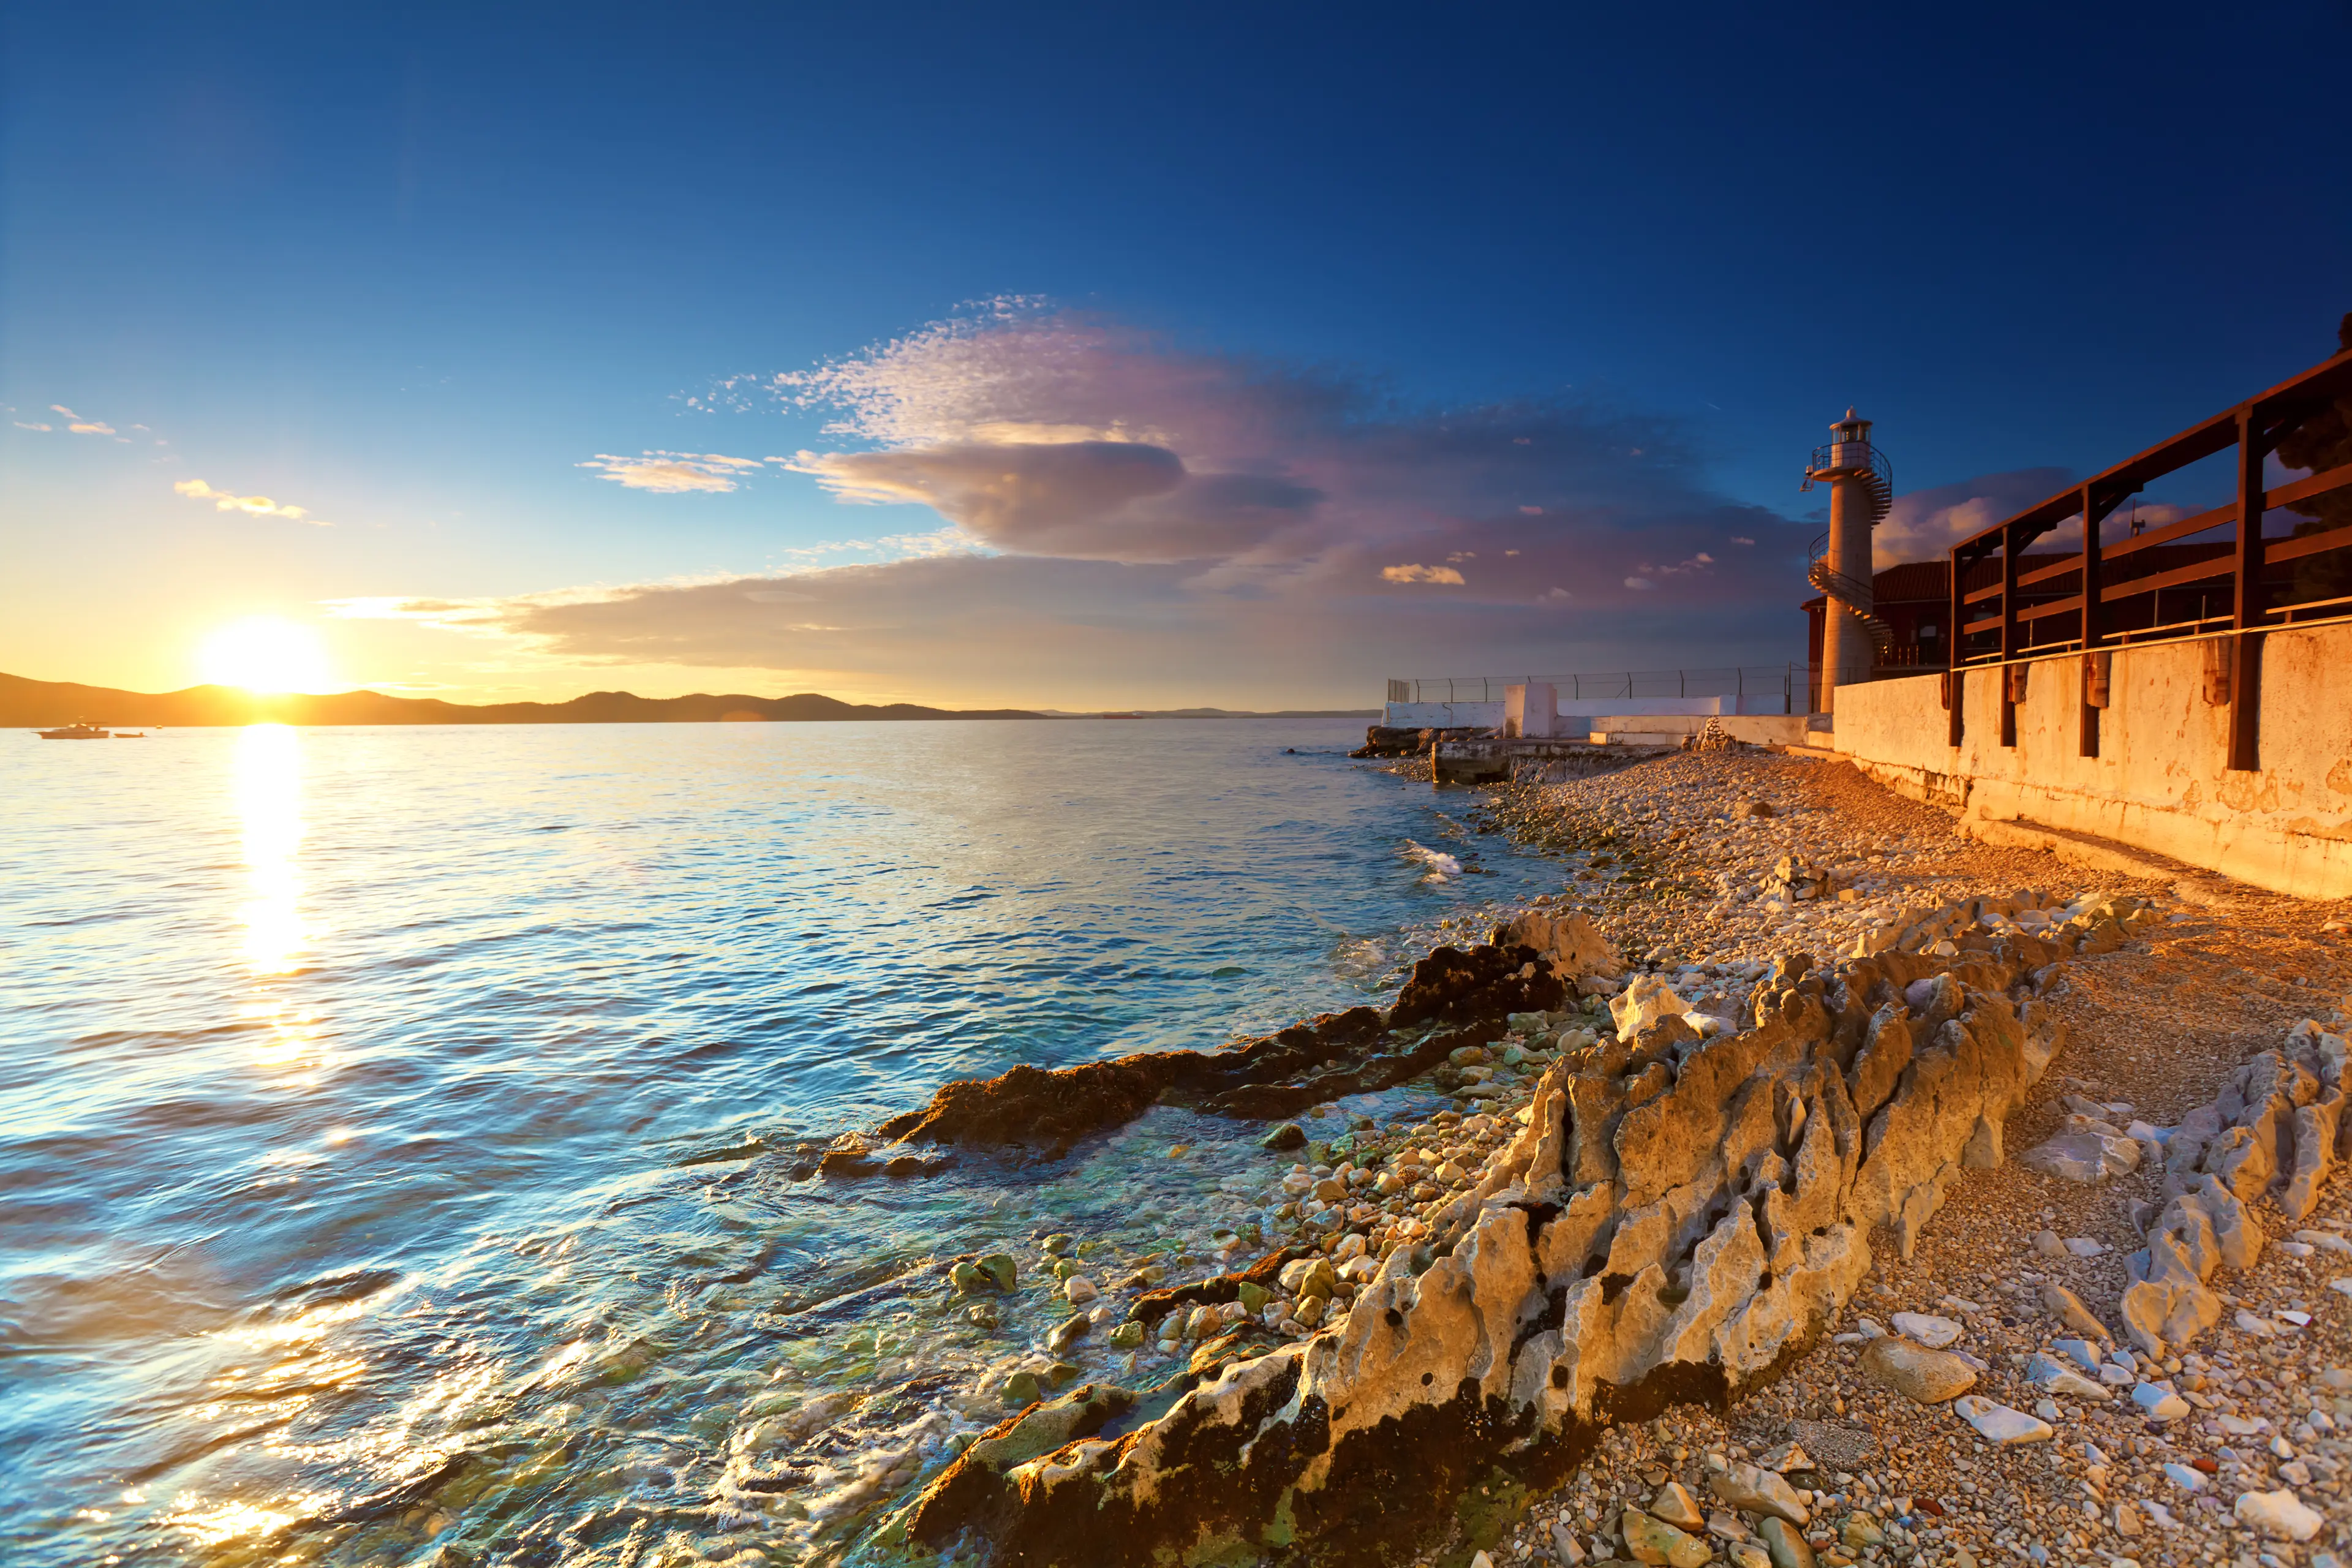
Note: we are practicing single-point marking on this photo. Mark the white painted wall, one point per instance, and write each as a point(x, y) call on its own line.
point(2160, 781)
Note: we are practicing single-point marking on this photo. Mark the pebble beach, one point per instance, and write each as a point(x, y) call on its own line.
point(2232, 1450)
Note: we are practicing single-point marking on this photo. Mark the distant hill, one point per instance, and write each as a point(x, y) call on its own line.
point(1213, 713)
point(43, 703)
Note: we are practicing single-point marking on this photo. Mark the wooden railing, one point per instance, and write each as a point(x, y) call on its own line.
point(2073, 609)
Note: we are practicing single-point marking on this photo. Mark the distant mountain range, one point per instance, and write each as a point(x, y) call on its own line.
point(43, 703)
point(51, 702)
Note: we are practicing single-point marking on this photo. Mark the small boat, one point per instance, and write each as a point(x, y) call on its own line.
point(77, 733)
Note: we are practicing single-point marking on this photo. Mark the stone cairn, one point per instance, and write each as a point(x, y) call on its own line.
point(1713, 737)
point(1678, 1222)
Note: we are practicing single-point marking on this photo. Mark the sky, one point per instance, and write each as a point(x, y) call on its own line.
point(1062, 356)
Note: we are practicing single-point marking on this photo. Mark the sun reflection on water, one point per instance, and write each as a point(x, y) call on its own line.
point(269, 808)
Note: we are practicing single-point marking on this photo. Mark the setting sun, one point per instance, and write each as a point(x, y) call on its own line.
point(264, 653)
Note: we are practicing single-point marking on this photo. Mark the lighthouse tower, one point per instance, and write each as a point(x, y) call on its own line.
point(1862, 489)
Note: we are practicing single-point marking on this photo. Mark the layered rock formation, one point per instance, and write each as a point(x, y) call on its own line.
point(2277, 1125)
point(1678, 1220)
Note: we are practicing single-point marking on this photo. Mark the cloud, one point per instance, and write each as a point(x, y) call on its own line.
point(1122, 515)
point(1924, 524)
point(673, 473)
point(20, 424)
point(1051, 433)
point(91, 428)
point(257, 506)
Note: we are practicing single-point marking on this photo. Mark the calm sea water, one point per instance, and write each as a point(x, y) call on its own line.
point(380, 1107)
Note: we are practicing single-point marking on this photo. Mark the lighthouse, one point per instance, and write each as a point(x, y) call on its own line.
point(1862, 489)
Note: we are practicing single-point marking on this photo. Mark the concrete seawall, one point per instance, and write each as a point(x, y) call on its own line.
point(2160, 782)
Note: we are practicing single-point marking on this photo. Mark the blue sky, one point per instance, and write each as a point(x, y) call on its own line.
point(1376, 283)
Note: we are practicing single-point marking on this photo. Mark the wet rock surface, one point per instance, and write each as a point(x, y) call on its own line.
point(1678, 1217)
point(1237, 1412)
point(1454, 999)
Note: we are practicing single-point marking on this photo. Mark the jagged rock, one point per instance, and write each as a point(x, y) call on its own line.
point(2278, 1119)
point(1678, 1218)
point(2203, 1226)
point(1569, 941)
point(1926, 1376)
point(1643, 1005)
point(1482, 986)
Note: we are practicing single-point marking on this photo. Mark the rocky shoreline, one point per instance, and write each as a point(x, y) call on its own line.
point(1302, 1425)
point(1712, 1152)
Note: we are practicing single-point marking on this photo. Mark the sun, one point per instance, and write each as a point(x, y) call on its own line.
point(265, 653)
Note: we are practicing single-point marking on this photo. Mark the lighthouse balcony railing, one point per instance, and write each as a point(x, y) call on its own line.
point(1848, 457)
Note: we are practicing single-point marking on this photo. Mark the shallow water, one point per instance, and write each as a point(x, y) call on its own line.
point(382, 1110)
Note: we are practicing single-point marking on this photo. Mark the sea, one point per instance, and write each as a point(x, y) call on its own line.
point(399, 1126)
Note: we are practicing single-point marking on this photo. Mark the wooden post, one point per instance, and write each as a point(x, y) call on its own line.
point(2248, 604)
point(1954, 727)
point(2008, 633)
point(2093, 621)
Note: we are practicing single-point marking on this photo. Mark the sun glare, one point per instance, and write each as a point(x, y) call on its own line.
point(263, 653)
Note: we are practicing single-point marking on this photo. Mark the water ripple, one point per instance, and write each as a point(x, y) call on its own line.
point(397, 1124)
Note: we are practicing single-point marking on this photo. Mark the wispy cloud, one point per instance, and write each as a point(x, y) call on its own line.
point(78, 424)
point(21, 424)
point(255, 506)
point(673, 473)
point(948, 540)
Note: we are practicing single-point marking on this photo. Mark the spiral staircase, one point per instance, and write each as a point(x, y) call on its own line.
point(1835, 585)
point(1853, 456)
